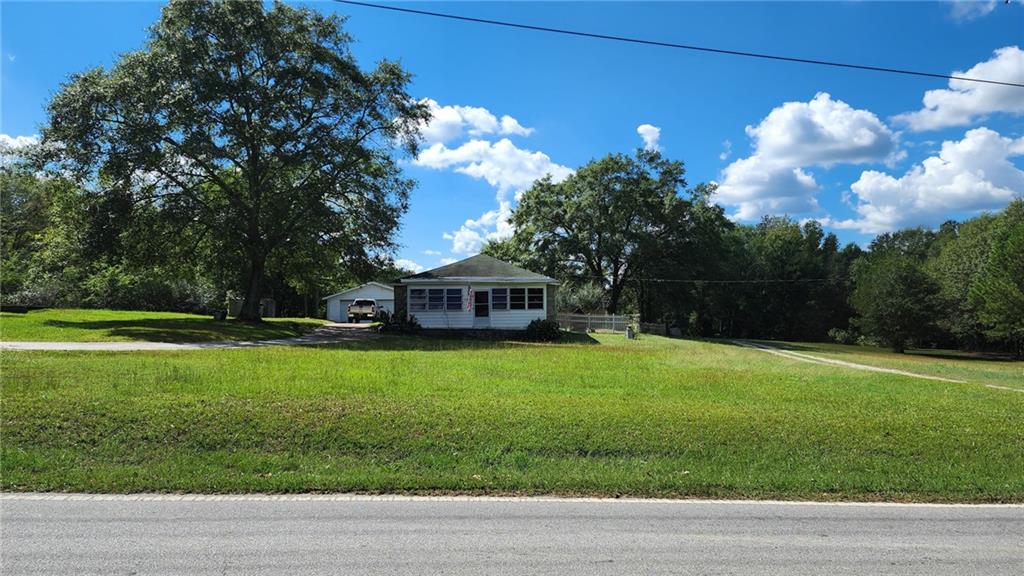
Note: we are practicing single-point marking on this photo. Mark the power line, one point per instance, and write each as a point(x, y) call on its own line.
point(674, 45)
point(755, 281)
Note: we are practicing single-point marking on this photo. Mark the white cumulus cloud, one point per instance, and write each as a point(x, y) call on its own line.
point(967, 176)
point(503, 165)
point(457, 140)
point(650, 134)
point(12, 147)
point(510, 125)
point(14, 142)
point(432, 252)
point(821, 132)
point(793, 137)
point(756, 186)
point(406, 264)
point(448, 123)
point(964, 102)
point(491, 225)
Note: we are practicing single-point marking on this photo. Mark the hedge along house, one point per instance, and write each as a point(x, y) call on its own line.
point(478, 293)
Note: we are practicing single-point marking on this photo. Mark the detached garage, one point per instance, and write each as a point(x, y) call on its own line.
point(337, 304)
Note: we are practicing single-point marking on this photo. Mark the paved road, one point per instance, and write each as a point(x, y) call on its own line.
point(353, 536)
point(331, 333)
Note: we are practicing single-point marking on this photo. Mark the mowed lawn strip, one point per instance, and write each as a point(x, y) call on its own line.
point(81, 325)
point(653, 417)
point(976, 369)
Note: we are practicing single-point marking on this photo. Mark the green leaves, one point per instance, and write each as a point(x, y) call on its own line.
point(897, 300)
point(998, 289)
point(599, 224)
point(254, 127)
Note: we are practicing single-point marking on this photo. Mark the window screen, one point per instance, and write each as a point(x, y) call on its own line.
point(517, 298)
point(435, 299)
point(499, 298)
point(417, 300)
point(453, 299)
point(535, 298)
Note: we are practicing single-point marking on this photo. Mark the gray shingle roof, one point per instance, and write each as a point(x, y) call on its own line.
point(479, 266)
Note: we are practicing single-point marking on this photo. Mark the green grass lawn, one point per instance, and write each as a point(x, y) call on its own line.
point(653, 417)
point(945, 363)
point(74, 325)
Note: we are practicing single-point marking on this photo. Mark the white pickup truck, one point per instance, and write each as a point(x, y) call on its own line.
point(364, 308)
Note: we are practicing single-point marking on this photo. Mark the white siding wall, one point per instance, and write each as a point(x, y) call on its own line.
point(334, 309)
point(464, 319)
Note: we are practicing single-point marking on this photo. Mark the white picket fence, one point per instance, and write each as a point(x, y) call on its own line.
point(595, 322)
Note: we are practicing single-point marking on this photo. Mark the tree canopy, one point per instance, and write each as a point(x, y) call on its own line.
point(896, 300)
point(998, 288)
point(250, 132)
point(600, 223)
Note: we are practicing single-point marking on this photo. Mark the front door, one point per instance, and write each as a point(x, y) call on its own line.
point(482, 303)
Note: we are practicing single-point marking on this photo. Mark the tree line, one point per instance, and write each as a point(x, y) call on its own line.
point(627, 235)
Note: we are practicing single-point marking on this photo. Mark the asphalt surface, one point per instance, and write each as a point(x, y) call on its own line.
point(353, 536)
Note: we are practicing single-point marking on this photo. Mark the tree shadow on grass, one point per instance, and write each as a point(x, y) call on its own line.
point(794, 347)
point(373, 342)
point(185, 329)
point(937, 354)
point(958, 355)
point(209, 331)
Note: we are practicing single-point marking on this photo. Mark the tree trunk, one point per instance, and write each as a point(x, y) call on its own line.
point(251, 303)
point(614, 295)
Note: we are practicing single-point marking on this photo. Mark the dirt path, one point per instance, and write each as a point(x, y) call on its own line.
point(326, 334)
point(799, 357)
point(829, 361)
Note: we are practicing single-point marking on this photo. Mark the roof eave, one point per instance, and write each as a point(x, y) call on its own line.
point(478, 279)
point(380, 284)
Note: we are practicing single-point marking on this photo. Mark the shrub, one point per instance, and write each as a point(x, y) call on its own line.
point(840, 336)
point(586, 298)
point(868, 341)
point(543, 330)
point(396, 323)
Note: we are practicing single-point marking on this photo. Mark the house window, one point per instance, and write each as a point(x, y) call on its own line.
point(453, 299)
point(417, 300)
point(517, 298)
point(499, 298)
point(535, 298)
point(435, 299)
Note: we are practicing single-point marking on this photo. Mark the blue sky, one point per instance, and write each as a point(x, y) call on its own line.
point(860, 151)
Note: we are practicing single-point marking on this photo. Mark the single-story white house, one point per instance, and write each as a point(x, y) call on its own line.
point(337, 304)
point(478, 293)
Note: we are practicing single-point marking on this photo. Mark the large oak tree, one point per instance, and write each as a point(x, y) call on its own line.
point(599, 224)
point(251, 130)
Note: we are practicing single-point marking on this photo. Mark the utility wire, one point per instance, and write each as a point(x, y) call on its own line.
point(764, 281)
point(674, 45)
